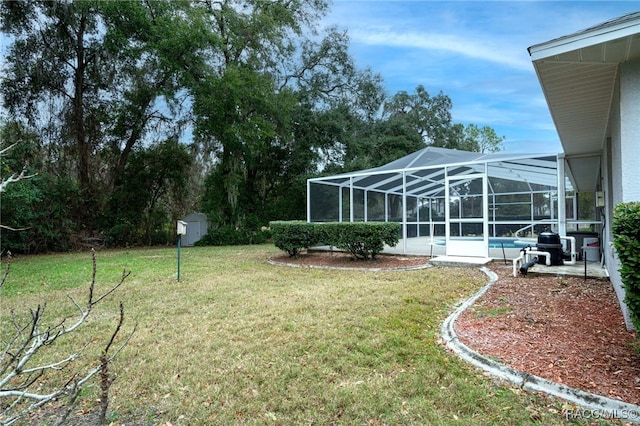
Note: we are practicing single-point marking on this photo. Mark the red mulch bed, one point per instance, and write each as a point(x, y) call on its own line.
point(565, 329)
point(338, 259)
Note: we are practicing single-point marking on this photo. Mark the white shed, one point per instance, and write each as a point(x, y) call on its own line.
point(197, 226)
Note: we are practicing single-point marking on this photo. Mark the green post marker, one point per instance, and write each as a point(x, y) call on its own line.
point(179, 238)
point(181, 229)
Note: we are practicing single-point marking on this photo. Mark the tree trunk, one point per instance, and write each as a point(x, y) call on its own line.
point(84, 178)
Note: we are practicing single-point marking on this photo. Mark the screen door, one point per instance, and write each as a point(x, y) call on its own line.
point(466, 211)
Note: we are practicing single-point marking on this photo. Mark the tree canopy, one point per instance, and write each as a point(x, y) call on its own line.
point(136, 113)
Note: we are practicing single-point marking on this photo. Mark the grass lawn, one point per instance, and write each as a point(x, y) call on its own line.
point(239, 341)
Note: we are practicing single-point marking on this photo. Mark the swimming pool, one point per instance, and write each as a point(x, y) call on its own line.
point(499, 242)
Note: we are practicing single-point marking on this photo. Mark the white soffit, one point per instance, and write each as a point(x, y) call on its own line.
point(578, 75)
point(585, 172)
point(579, 98)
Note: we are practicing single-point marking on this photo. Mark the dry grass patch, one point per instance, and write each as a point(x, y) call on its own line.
point(239, 341)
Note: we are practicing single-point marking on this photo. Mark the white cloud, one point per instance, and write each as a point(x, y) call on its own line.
point(487, 50)
point(530, 146)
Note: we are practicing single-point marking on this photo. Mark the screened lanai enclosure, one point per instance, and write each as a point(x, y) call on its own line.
point(462, 202)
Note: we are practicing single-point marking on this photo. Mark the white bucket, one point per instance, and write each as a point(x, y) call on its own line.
point(592, 249)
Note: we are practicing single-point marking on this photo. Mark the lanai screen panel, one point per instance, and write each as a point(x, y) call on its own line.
point(376, 206)
point(522, 192)
point(522, 189)
point(323, 202)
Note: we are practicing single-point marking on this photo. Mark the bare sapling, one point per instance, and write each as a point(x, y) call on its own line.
point(23, 383)
point(15, 177)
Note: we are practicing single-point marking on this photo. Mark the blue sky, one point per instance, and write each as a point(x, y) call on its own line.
point(475, 52)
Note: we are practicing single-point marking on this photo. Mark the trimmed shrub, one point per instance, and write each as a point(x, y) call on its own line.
point(364, 240)
point(626, 240)
point(294, 236)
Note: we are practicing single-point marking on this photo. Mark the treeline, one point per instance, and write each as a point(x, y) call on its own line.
point(133, 114)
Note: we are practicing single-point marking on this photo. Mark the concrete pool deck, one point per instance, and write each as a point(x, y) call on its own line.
point(422, 246)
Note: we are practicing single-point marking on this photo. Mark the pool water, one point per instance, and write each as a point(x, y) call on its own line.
point(499, 242)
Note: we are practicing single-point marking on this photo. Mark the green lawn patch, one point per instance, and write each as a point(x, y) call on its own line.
point(240, 341)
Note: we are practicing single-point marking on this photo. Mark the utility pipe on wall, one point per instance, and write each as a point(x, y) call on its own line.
point(573, 252)
point(525, 257)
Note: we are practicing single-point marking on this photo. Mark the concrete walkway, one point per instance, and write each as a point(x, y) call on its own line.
point(598, 405)
point(460, 261)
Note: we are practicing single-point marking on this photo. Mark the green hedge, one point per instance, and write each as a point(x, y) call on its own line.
point(293, 236)
point(364, 240)
point(232, 236)
point(626, 240)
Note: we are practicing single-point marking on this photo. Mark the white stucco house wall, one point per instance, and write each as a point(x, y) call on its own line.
point(591, 82)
